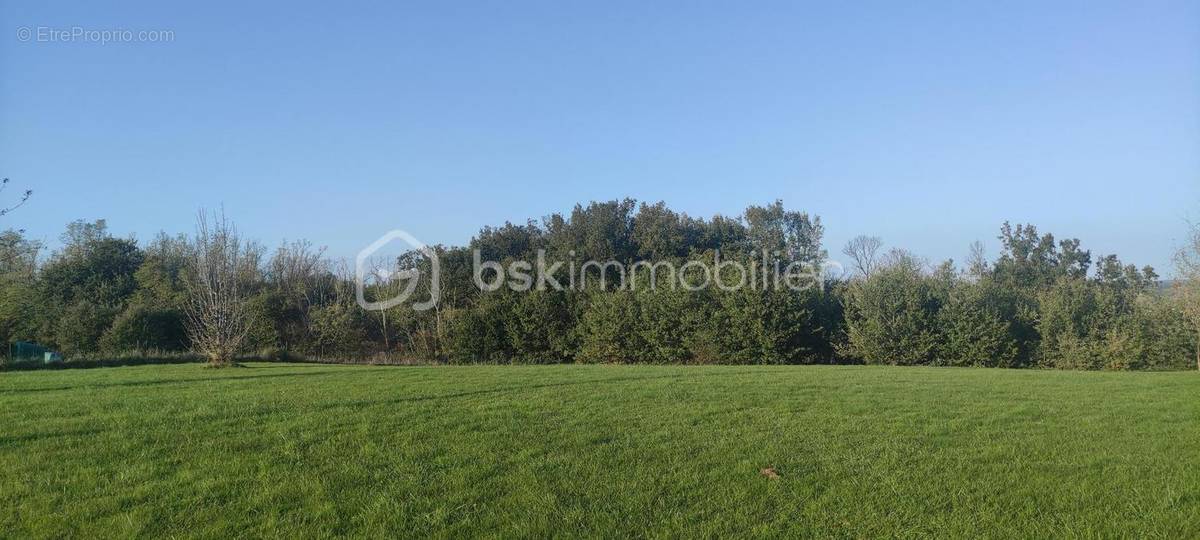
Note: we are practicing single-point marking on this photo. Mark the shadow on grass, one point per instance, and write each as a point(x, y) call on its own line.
point(301, 364)
point(32, 437)
point(163, 382)
point(112, 362)
point(517, 389)
point(27, 438)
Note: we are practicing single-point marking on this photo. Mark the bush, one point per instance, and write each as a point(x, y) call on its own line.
point(339, 329)
point(1100, 324)
point(1168, 333)
point(80, 328)
point(608, 329)
point(142, 328)
point(540, 327)
point(262, 310)
point(752, 326)
point(977, 327)
point(892, 316)
point(478, 333)
point(667, 324)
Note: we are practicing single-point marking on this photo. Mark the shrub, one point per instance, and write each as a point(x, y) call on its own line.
point(141, 328)
point(539, 327)
point(608, 329)
point(668, 322)
point(892, 316)
point(80, 327)
point(752, 326)
point(339, 328)
point(977, 327)
point(478, 333)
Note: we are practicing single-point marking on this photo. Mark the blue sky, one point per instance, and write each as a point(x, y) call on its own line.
point(925, 123)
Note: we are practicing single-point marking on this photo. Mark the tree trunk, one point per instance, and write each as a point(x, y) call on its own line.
point(1197, 347)
point(219, 360)
point(386, 346)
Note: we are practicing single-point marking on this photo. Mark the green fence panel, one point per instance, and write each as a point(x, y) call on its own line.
point(25, 351)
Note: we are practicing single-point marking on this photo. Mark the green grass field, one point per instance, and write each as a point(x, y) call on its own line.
point(310, 450)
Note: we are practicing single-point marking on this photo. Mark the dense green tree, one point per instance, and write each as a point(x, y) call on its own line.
point(160, 278)
point(795, 235)
point(1166, 336)
point(600, 231)
point(1031, 261)
point(659, 233)
point(264, 317)
point(154, 317)
point(85, 286)
point(669, 320)
point(1069, 315)
point(479, 333)
point(540, 325)
point(338, 329)
point(145, 328)
point(829, 319)
point(751, 326)
point(77, 328)
point(20, 304)
point(977, 326)
point(1188, 290)
point(1042, 302)
point(892, 317)
point(509, 241)
point(724, 233)
point(100, 272)
point(608, 329)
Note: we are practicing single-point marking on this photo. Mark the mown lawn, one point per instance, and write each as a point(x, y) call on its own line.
point(306, 450)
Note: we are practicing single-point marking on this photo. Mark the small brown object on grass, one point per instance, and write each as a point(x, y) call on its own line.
point(770, 473)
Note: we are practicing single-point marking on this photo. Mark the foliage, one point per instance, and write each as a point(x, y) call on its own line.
point(79, 327)
point(338, 329)
point(892, 316)
point(478, 333)
point(1042, 302)
point(977, 323)
point(539, 327)
point(144, 328)
point(669, 324)
point(608, 329)
point(1188, 289)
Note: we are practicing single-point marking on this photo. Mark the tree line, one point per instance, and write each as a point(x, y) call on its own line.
point(1042, 302)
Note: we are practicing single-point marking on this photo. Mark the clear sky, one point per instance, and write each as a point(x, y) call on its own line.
point(925, 123)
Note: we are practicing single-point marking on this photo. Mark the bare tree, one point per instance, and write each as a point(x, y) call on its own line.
point(864, 254)
point(25, 195)
point(295, 267)
point(1188, 262)
point(385, 274)
point(977, 263)
point(299, 271)
point(18, 255)
point(222, 270)
point(903, 258)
